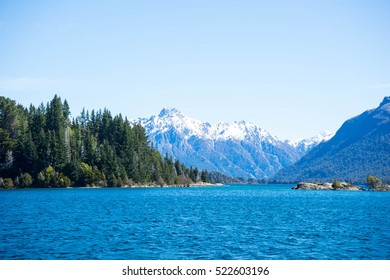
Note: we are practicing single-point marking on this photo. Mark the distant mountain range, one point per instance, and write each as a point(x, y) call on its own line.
point(304, 145)
point(359, 148)
point(238, 149)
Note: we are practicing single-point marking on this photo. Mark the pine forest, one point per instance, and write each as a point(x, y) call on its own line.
point(44, 147)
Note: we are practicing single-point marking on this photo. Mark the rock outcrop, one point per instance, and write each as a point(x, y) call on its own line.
point(326, 187)
point(313, 186)
point(381, 188)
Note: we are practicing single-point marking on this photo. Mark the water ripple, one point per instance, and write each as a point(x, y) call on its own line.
point(233, 222)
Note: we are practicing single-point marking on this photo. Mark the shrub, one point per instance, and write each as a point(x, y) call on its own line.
point(51, 178)
point(8, 183)
point(24, 180)
point(336, 184)
point(373, 181)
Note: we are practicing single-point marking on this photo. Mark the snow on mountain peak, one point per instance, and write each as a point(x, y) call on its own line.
point(171, 118)
point(306, 144)
point(323, 136)
point(168, 111)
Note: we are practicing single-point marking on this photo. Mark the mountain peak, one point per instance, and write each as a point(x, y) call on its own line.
point(304, 145)
point(170, 118)
point(385, 101)
point(168, 111)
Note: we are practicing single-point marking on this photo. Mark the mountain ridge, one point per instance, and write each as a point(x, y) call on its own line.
point(192, 127)
point(239, 149)
point(304, 145)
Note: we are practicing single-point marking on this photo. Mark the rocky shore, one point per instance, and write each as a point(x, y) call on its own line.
point(326, 187)
point(381, 188)
point(198, 184)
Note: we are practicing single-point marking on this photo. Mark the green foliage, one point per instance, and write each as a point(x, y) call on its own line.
point(204, 176)
point(8, 183)
point(63, 181)
point(373, 181)
point(42, 147)
point(194, 174)
point(221, 178)
point(45, 177)
point(49, 177)
point(91, 176)
point(336, 184)
point(24, 180)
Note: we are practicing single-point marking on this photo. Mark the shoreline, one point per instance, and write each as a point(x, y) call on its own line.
point(137, 186)
point(145, 186)
point(202, 184)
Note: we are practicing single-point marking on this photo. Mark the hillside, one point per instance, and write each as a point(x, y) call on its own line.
point(359, 148)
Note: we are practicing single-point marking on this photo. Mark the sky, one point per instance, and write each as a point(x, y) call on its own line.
point(294, 68)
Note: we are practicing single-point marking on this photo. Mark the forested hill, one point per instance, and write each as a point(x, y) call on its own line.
point(42, 147)
point(361, 147)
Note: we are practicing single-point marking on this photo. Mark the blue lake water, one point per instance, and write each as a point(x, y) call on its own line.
point(230, 222)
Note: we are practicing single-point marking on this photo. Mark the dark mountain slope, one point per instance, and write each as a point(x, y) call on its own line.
point(359, 148)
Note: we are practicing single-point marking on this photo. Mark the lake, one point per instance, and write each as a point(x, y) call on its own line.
point(229, 222)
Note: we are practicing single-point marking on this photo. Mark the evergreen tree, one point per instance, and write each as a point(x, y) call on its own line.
point(204, 176)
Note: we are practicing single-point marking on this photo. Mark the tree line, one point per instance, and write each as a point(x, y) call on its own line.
point(43, 147)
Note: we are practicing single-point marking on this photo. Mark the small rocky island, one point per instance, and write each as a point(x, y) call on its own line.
point(374, 185)
point(327, 186)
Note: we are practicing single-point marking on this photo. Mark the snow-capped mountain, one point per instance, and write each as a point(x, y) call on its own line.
point(304, 145)
point(237, 149)
point(172, 118)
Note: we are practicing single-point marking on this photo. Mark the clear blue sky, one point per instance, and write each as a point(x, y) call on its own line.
point(294, 68)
